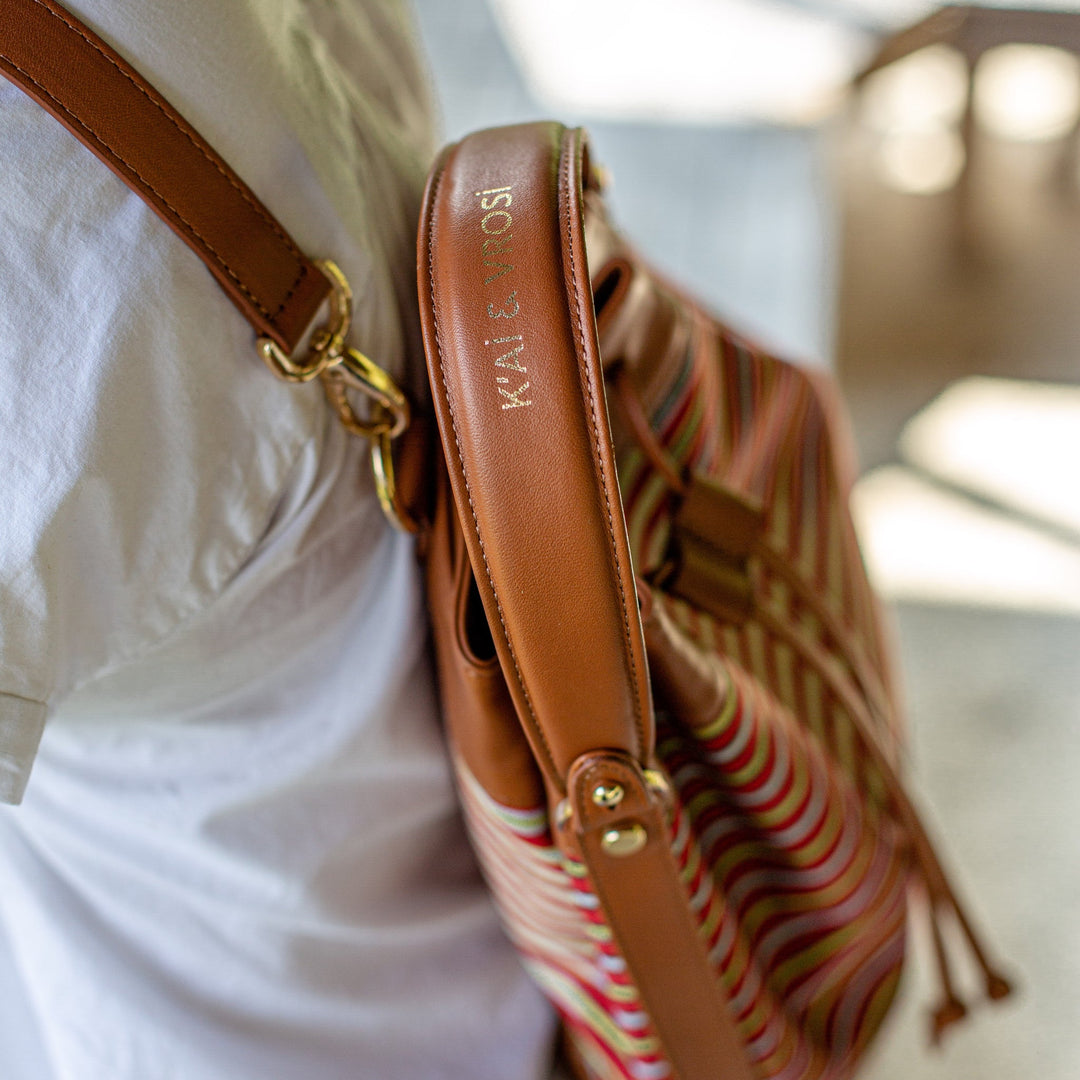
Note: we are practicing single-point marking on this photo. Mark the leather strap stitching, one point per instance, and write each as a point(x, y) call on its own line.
point(533, 722)
point(201, 147)
point(578, 316)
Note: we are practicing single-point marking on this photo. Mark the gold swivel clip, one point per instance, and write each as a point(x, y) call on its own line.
point(343, 369)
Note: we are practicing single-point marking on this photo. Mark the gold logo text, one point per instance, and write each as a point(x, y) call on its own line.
point(496, 250)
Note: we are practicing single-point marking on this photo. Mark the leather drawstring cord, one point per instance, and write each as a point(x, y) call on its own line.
point(940, 894)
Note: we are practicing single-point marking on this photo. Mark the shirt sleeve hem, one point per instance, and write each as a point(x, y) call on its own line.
point(21, 723)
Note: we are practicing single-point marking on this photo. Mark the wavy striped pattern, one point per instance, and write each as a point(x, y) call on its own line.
point(794, 870)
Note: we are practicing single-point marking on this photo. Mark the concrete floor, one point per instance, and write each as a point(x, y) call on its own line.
point(791, 233)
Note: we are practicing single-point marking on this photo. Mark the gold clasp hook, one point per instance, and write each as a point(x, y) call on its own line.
point(326, 345)
point(388, 407)
point(341, 369)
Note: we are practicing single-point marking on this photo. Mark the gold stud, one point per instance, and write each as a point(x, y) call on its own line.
point(608, 795)
point(625, 840)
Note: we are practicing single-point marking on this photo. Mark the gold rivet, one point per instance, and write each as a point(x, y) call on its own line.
point(626, 840)
point(608, 794)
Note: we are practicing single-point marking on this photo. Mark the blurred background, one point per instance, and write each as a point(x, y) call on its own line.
point(890, 190)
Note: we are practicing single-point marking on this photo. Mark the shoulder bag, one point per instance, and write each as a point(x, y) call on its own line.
point(663, 672)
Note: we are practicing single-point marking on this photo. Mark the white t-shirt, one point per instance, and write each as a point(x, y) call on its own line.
point(238, 855)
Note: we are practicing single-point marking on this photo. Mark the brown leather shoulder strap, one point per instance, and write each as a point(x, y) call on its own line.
point(516, 377)
point(111, 109)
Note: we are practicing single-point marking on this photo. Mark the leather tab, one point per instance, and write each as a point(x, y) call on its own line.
point(714, 533)
point(648, 911)
point(115, 113)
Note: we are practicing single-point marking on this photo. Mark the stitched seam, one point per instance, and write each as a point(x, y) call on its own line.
point(206, 153)
point(578, 317)
point(533, 721)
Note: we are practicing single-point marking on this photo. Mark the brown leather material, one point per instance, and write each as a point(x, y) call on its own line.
point(480, 716)
point(728, 521)
point(114, 112)
point(715, 532)
point(645, 904)
point(416, 457)
point(510, 337)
